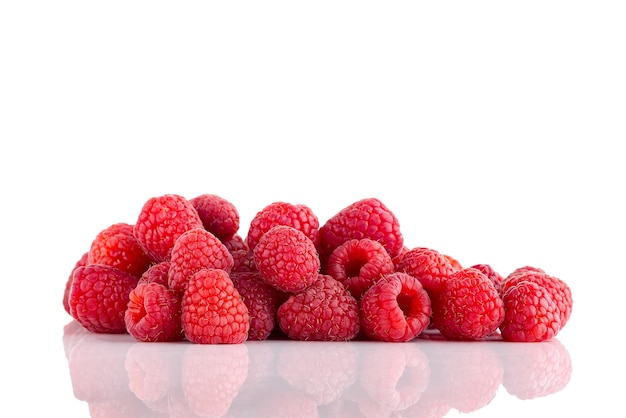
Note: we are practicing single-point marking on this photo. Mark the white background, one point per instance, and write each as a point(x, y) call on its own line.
point(494, 132)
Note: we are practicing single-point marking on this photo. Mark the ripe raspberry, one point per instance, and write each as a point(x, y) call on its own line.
point(358, 263)
point(324, 311)
point(117, 246)
point(243, 257)
point(153, 314)
point(524, 269)
point(530, 313)
point(194, 250)
point(219, 216)
point(469, 307)
point(455, 263)
point(99, 296)
point(157, 273)
point(300, 217)
point(287, 259)
point(495, 277)
point(558, 289)
point(366, 218)
point(161, 221)
point(212, 309)
point(429, 266)
point(262, 301)
point(396, 308)
point(82, 261)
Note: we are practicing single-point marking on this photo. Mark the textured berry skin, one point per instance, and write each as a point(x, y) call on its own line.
point(287, 259)
point(366, 218)
point(530, 314)
point(454, 262)
point(99, 296)
point(219, 216)
point(524, 269)
point(495, 277)
point(396, 308)
point(82, 261)
point(117, 246)
point(429, 266)
point(558, 289)
point(156, 273)
point(358, 263)
point(243, 257)
point(262, 301)
point(153, 314)
point(213, 311)
point(194, 250)
point(298, 216)
point(469, 307)
point(324, 311)
point(161, 221)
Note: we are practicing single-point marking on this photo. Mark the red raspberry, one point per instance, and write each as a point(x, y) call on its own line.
point(358, 263)
point(156, 273)
point(99, 296)
point(523, 269)
point(161, 221)
point(219, 216)
point(469, 307)
point(530, 313)
point(212, 309)
point(455, 263)
point(262, 301)
point(396, 308)
point(495, 277)
point(366, 218)
point(558, 289)
point(117, 246)
point(194, 250)
point(153, 313)
point(429, 266)
point(287, 259)
point(324, 311)
point(243, 257)
point(300, 217)
point(82, 261)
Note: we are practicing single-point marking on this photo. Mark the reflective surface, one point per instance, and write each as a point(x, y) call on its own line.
point(429, 377)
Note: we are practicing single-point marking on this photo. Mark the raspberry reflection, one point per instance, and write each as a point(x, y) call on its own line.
point(428, 377)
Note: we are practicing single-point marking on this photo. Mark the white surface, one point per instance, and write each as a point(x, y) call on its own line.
point(492, 131)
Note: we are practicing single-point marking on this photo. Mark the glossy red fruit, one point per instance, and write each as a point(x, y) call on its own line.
point(153, 314)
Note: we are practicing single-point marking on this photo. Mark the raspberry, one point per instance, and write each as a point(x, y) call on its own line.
point(359, 263)
point(495, 277)
point(117, 246)
point(194, 250)
point(396, 308)
point(324, 311)
point(524, 269)
point(469, 307)
point(82, 261)
point(153, 313)
point(262, 301)
point(530, 313)
point(366, 218)
point(212, 309)
point(99, 296)
point(161, 221)
point(456, 265)
point(558, 289)
point(287, 259)
point(156, 273)
point(243, 257)
point(219, 216)
point(300, 217)
point(429, 266)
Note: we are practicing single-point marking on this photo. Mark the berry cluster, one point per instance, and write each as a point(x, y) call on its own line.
point(183, 271)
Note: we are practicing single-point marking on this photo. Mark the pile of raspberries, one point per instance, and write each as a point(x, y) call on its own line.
point(184, 272)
